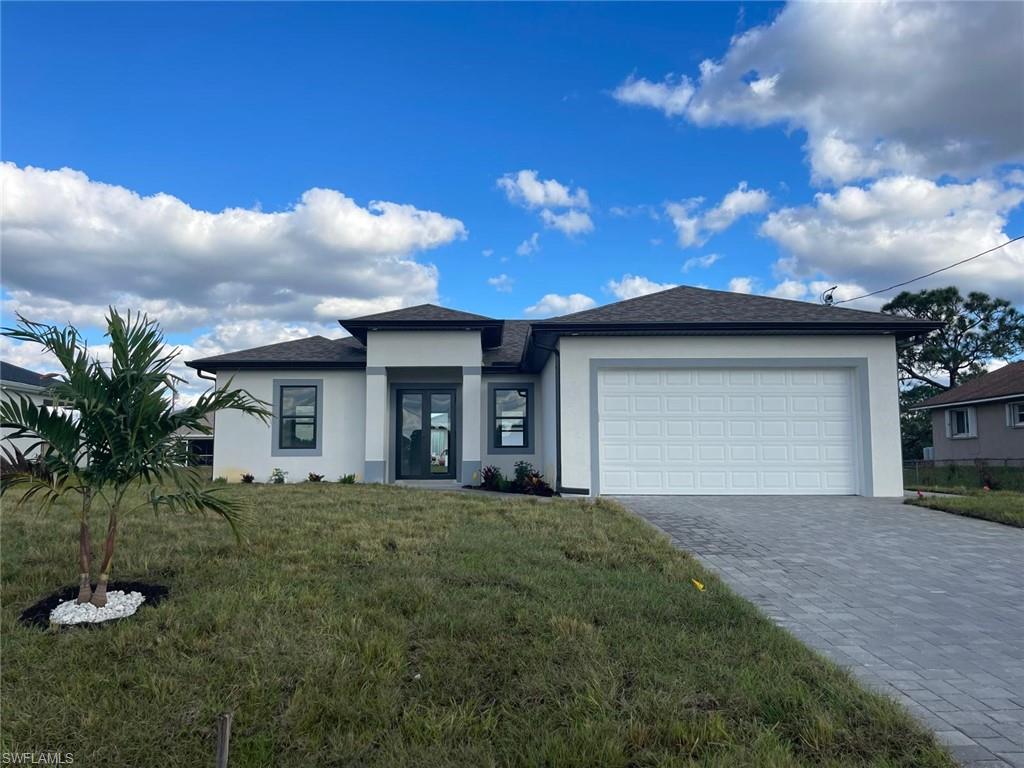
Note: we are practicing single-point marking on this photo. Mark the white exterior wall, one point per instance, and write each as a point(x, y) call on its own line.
point(12, 392)
point(882, 395)
point(548, 423)
point(423, 349)
point(506, 462)
point(243, 443)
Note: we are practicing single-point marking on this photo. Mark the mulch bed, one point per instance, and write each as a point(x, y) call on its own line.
point(38, 615)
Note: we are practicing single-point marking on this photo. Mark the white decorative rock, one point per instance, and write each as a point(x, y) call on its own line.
point(118, 606)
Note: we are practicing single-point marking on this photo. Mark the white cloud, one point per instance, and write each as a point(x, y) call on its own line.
point(72, 246)
point(529, 245)
point(551, 196)
point(487, 253)
point(501, 283)
point(572, 222)
point(670, 96)
point(695, 227)
point(917, 88)
point(553, 304)
point(901, 227)
point(701, 262)
point(789, 289)
point(68, 239)
point(527, 189)
point(742, 285)
point(631, 286)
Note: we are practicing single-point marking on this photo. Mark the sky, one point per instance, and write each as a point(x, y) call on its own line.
point(250, 173)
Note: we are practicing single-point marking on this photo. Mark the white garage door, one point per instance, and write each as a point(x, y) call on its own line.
point(726, 431)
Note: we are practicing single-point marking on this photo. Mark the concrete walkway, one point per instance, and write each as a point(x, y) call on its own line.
point(925, 606)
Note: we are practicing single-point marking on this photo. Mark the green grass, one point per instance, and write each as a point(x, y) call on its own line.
point(1005, 507)
point(377, 626)
point(958, 478)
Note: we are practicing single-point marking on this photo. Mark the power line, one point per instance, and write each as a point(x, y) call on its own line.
point(935, 272)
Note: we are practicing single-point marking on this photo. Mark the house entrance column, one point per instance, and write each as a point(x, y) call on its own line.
point(376, 425)
point(472, 406)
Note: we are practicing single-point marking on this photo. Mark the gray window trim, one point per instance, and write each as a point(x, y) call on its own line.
point(859, 384)
point(275, 431)
point(531, 409)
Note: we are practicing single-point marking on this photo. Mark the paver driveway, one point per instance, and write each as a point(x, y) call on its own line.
point(923, 605)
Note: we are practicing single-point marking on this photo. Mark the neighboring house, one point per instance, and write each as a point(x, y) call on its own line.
point(200, 443)
point(17, 381)
point(982, 419)
point(686, 391)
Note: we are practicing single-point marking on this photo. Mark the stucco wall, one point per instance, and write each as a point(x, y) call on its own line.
point(995, 440)
point(879, 352)
point(243, 443)
point(548, 422)
point(412, 349)
point(23, 444)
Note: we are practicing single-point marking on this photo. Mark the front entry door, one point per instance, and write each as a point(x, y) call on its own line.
point(426, 434)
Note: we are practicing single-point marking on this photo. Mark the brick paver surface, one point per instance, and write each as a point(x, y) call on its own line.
point(925, 606)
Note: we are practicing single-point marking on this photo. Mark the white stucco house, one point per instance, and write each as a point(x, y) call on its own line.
point(686, 391)
point(16, 382)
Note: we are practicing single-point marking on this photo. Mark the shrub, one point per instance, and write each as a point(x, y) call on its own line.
point(491, 478)
point(313, 477)
point(347, 479)
point(278, 476)
point(248, 477)
point(220, 480)
point(530, 481)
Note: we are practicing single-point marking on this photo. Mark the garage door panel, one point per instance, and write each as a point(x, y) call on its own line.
point(726, 431)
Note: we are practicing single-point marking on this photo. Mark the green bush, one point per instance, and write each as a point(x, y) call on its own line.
point(347, 479)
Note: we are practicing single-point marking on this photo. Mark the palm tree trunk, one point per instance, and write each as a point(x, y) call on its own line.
point(85, 552)
point(99, 597)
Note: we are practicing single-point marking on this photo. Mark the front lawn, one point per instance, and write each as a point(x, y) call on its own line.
point(1005, 507)
point(385, 626)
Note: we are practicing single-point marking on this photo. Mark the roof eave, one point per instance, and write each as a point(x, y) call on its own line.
point(554, 328)
point(973, 401)
point(212, 366)
point(490, 330)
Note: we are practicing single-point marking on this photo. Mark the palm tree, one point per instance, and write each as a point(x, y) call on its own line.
point(116, 429)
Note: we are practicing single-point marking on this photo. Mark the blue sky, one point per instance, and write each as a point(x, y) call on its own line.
point(248, 106)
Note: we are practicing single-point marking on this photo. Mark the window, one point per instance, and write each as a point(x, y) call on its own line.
point(511, 423)
point(1016, 414)
point(298, 417)
point(961, 422)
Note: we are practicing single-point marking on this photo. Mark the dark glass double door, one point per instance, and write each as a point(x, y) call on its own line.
point(426, 433)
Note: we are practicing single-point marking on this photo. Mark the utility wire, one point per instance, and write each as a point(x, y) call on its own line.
point(935, 272)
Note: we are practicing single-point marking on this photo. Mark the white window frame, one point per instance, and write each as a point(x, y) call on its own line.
point(1014, 411)
point(972, 423)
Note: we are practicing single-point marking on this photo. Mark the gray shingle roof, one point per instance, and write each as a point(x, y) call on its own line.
point(677, 310)
point(19, 375)
point(686, 304)
point(1007, 381)
point(513, 339)
point(316, 351)
point(422, 313)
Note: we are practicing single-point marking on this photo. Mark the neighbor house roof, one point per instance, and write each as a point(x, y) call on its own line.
point(514, 343)
point(1002, 384)
point(18, 375)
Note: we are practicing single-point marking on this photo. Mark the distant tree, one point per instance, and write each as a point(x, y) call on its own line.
point(976, 330)
point(119, 431)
